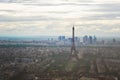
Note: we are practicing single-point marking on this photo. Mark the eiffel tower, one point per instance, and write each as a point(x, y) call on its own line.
point(73, 49)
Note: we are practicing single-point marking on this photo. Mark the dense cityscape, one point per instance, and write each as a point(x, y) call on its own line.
point(60, 59)
point(59, 39)
point(62, 41)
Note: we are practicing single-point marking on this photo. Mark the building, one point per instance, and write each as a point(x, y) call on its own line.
point(61, 38)
point(85, 39)
point(89, 40)
point(94, 40)
point(77, 39)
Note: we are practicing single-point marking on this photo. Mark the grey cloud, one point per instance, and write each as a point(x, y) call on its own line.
point(107, 7)
point(30, 1)
point(103, 17)
point(8, 10)
point(50, 18)
point(103, 29)
point(4, 0)
point(15, 1)
point(97, 12)
point(59, 12)
point(20, 19)
point(101, 26)
point(58, 4)
point(82, 0)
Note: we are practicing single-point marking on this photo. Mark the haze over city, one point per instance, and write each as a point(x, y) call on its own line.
point(56, 17)
point(59, 40)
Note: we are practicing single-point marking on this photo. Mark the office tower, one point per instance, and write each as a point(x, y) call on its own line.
point(85, 39)
point(94, 40)
point(90, 40)
point(61, 38)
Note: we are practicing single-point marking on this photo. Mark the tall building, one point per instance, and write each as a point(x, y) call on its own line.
point(61, 38)
point(90, 40)
point(73, 41)
point(114, 40)
point(85, 39)
point(77, 39)
point(94, 40)
point(73, 48)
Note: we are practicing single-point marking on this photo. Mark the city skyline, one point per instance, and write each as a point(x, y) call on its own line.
point(57, 17)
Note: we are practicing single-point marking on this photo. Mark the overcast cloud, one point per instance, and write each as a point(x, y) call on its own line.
point(56, 17)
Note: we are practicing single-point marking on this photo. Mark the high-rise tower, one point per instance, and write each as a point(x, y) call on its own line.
point(73, 41)
point(73, 49)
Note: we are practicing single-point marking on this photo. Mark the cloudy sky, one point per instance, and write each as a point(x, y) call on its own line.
point(56, 17)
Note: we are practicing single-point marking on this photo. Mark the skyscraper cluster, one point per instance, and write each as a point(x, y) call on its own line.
point(61, 38)
point(89, 39)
